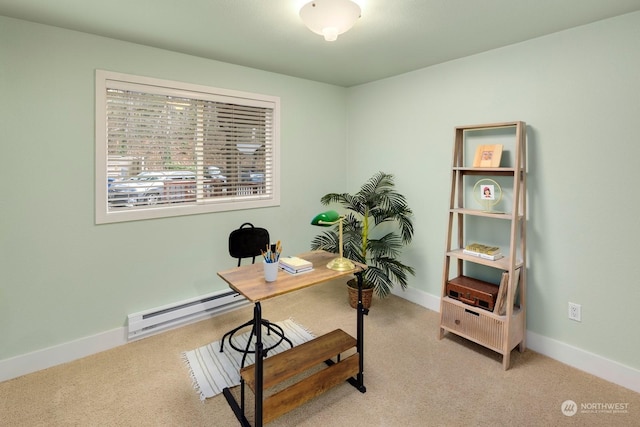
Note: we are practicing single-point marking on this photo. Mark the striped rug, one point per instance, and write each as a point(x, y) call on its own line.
point(212, 371)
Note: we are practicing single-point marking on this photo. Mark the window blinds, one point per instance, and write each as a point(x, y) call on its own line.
point(167, 147)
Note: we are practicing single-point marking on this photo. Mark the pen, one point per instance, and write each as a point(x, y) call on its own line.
point(272, 254)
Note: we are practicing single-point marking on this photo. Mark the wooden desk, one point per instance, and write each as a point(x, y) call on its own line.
point(249, 281)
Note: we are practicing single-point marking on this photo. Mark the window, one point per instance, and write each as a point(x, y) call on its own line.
point(166, 148)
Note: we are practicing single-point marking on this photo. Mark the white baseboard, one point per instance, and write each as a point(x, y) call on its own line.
point(67, 352)
point(419, 297)
point(591, 363)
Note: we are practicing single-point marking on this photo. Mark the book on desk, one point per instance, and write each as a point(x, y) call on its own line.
point(295, 265)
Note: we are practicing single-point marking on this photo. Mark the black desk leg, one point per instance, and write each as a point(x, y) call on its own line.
point(259, 360)
point(360, 335)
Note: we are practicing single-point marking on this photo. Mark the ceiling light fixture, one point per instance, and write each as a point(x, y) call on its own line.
point(329, 18)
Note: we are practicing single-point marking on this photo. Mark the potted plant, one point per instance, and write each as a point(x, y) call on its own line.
point(377, 226)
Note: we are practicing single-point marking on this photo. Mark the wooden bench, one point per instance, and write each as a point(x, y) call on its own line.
point(286, 365)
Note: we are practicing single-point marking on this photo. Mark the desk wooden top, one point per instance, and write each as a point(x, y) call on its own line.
point(248, 280)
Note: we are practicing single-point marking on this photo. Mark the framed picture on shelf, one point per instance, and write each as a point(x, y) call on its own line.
point(487, 192)
point(488, 156)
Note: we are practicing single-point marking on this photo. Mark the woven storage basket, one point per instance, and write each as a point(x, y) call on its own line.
point(367, 295)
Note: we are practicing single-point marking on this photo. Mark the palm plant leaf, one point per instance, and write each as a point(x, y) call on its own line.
point(327, 241)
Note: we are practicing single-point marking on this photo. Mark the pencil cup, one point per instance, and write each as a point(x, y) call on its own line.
point(270, 271)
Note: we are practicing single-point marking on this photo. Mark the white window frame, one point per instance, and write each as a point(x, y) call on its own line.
point(110, 80)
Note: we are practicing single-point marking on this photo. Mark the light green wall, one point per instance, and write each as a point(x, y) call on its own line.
point(62, 277)
point(579, 92)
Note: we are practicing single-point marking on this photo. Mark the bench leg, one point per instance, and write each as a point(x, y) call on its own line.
point(235, 408)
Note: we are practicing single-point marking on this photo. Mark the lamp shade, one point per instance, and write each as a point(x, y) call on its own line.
point(325, 219)
point(330, 18)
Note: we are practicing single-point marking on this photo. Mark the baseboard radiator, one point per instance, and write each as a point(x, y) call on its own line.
point(160, 319)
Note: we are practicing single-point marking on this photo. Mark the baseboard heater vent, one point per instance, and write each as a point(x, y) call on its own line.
point(160, 319)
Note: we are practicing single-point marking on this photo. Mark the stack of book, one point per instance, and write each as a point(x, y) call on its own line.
point(501, 302)
point(483, 251)
point(295, 265)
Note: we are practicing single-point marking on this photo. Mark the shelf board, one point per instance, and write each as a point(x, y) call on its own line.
point(485, 171)
point(485, 126)
point(502, 263)
point(477, 212)
point(516, 309)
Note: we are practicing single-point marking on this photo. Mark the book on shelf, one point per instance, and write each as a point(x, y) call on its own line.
point(516, 284)
point(501, 307)
point(483, 255)
point(483, 249)
point(294, 264)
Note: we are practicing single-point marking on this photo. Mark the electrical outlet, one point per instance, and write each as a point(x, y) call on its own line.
point(575, 312)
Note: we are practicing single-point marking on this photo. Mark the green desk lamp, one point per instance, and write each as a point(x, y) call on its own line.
point(326, 219)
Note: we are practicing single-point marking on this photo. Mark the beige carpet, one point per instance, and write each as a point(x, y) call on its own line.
point(412, 378)
point(213, 370)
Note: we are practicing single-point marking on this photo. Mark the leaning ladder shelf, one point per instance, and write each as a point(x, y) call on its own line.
point(498, 332)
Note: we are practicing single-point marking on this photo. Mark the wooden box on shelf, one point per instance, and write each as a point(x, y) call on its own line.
point(477, 293)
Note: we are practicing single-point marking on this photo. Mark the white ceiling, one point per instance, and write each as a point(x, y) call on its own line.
point(392, 36)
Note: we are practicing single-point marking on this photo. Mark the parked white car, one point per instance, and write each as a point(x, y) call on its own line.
point(216, 174)
point(149, 188)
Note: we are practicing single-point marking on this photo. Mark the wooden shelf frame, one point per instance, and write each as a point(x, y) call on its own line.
point(501, 333)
